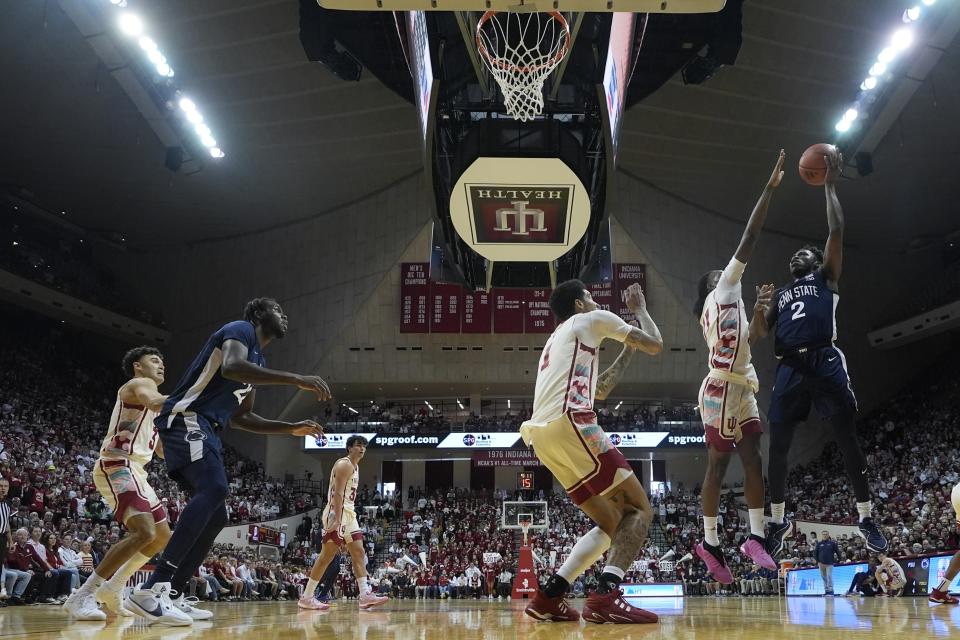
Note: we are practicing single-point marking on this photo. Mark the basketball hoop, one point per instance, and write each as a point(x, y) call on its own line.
point(525, 523)
point(521, 50)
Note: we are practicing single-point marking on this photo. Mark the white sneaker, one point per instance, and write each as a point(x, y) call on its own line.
point(112, 600)
point(185, 604)
point(310, 602)
point(154, 605)
point(82, 606)
point(369, 599)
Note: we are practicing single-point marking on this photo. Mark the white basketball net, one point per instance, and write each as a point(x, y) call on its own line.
point(520, 50)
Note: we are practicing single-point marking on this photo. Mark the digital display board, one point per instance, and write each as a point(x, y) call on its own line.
point(807, 582)
point(525, 480)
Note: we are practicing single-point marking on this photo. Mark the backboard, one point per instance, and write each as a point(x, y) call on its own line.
point(518, 6)
point(516, 512)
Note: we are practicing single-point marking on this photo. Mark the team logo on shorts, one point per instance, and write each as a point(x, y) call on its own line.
point(469, 439)
point(195, 436)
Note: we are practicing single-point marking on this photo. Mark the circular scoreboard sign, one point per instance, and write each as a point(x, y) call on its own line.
point(520, 209)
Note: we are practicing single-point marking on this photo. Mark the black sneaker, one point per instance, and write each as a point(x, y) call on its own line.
point(775, 537)
point(876, 541)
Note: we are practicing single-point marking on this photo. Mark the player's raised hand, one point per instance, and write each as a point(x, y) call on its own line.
point(306, 428)
point(777, 174)
point(634, 299)
point(834, 167)
point(764, 298)
point(315, 384)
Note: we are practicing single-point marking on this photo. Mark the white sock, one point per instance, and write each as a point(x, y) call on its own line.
point(125, 572)
point(944, 585)
point(776, 511)
point(710, 531)
point(864, 509)
point(311, 588)
point(756, 522)
point(94, 581)
point(588, 550)
point(617, 571)
point(362, 584)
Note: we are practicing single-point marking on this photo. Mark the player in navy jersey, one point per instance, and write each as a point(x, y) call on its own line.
point(216, 390)
point(813, 370)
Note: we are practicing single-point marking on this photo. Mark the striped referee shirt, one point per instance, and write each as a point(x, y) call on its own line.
point(5, 514)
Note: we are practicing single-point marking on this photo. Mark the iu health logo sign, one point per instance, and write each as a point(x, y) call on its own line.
point(520, 214)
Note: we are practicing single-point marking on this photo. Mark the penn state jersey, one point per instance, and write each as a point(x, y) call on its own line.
point(203, 390)
point(805, 314)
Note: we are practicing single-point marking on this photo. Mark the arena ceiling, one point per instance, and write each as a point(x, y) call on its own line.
point(300, 142)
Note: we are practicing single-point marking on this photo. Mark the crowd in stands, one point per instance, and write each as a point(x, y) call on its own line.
point(61, 259)
point(398, 418)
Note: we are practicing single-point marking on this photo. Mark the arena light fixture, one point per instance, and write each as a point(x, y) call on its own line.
point(886, 55)
point(868, 83)
point(928, 3)
point(843, 126)
point(911, 15)
point(851, 114)
point(508, 404)
point(616, 408)
point(878, 69)
point(130, 24)
point(429, 406)
point(901, 39)
point(460, 404)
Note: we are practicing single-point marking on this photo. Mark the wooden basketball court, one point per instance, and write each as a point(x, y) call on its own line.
point(689, 619)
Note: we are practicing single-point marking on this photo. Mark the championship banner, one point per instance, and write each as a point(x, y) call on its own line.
point(505, 458)
point(445, 299)
point(624, 275)
point(602, 294)
point(538, 317)
point(414, 297)
point(520, 209)
point(477, 312)
point(508, 310)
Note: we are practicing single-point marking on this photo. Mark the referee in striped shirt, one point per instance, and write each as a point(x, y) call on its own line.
point(6, 538)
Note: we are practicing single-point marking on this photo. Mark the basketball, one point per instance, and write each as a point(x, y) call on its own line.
point(813, 168)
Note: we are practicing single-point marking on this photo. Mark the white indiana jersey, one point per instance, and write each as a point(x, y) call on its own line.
point(349, 491)
point(567, 375)
point(726, 329)
point(131, 434)
point(894, 570)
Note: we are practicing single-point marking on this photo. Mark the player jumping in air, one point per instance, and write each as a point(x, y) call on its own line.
point(565, 436)
point(215, 391)
point(340, 527)
point(121, 478)
point(813, 370)
point(728, 405)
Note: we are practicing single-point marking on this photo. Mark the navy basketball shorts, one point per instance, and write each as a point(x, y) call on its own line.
point(187, 438)
point(818, 377)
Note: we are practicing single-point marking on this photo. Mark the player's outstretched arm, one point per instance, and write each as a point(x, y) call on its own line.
point(143, 391)
point(761, 322)
point(609, 378)
point(245, 419)
point(833, 252)
point(646, 337)
point(759, 216)
point(236, 367)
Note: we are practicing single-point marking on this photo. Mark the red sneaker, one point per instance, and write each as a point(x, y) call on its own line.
point(613, 609)
point(942, 597)
point(547, 609)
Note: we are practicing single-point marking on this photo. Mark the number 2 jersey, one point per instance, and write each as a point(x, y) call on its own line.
point(131, 434)
point(203, 390)
point(567, 375)
point(805, 314)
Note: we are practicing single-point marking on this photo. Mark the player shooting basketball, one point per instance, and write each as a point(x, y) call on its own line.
point(728, 404)
point(813, 370)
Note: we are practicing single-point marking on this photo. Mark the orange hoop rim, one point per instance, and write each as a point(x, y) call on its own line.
point(497, 62)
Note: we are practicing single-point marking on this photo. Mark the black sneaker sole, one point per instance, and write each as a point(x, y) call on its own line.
point(775, 541)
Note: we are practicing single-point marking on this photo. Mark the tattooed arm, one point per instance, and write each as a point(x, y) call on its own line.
point(609, 378)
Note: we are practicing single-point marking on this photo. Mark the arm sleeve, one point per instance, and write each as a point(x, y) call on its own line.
point(601, 324)
point(240, 330)
point(729, 288)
